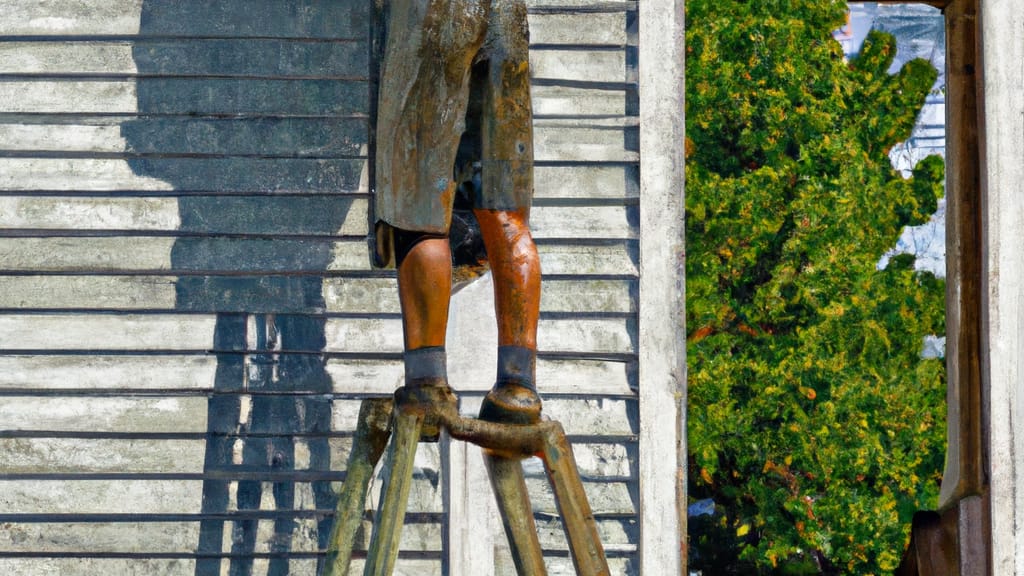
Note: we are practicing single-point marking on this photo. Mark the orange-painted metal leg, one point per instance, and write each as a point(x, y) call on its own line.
point(424, 289)
point(516, 269)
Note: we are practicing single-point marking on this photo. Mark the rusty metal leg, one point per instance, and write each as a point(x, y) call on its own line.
point(380, 560)
point(577, 518)
point(516, 514)
point(367, 446)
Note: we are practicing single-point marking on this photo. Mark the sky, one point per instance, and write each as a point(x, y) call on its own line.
point(920, 33)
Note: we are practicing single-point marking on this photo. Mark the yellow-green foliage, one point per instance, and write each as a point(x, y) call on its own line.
point(814, 422)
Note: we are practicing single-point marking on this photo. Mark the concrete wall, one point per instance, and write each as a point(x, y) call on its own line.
point(1003, 293)
point(188, 320)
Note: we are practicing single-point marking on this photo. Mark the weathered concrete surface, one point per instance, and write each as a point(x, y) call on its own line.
point(662, 346)
point(182, 227)
point(1003, 77)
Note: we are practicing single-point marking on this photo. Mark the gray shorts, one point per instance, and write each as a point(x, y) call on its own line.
point(449, 67)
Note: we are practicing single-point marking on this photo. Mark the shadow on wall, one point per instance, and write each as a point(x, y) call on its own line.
point(254, 110)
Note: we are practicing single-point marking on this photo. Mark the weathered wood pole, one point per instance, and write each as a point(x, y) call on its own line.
point(368, 445)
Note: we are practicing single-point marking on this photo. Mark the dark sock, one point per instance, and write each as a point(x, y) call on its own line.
point(428, 363)
point(517, 365)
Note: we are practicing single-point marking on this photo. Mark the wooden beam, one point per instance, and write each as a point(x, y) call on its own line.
point(963, 474)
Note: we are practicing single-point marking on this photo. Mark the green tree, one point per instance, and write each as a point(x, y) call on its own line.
point(814, 423)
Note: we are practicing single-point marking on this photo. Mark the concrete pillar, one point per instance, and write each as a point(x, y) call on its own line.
point(662, 334)
point(1002, 26)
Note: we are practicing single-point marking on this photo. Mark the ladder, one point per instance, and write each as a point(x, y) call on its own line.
point(417, 415)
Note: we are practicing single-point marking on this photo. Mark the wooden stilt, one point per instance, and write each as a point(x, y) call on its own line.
point(577, 517)
point(425, 411)
point(372, 433)
point(380, 559)
point(509, 487)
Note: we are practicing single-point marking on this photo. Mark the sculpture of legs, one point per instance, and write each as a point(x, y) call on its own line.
point(516, 269)
point(424, 290)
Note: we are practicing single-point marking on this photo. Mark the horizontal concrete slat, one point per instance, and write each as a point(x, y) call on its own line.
point(110, 332)
point(174, 135)
point(571, 6)
point(121, 254)
point(101, 496)
point(145, 496)
point(582, 144)
point(85, 213)
point(178, 414)
point(595, 222)
point(379, 295)
point(262, 18)
point(287, 137)
point(617, 259)
point(579, 29)
point(268, 58)
point(281, 175)
point(151, 59)
point(584, 335)
point(181, 537)
point(187, 57)
point(88, 292)
point(194, 96)
point(99, 455)
point(597, 417)
point(86, 254)
point(99, 538)
point(104, 414)
point(68, 96)
point(173, 332)
point(190, 254)
point(56, 456)
point(320, 215)
point(579, 65)
point(617, 535)
point(342, 295)
point(104, 372)
point(186, 95)
point(78, 17)
point(121, 97)
point(587, 181)
point(604, 497)
point(66, 566)
point(578, 101)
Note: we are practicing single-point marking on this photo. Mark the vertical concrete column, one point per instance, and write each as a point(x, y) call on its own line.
point(662, 344)
point(1003, 281)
